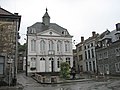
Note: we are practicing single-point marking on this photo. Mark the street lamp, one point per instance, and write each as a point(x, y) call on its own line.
point(26, 56)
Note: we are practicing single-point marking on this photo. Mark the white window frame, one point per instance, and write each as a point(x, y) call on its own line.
point(59, 46)
point(33, 45)
point(59, 60)
point(42, 46)
point(33, 63)
point(68, 60)
point(67, 46)
point(51, 45)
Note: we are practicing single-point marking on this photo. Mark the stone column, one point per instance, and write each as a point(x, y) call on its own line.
point(37, 64)
point(47, 64)
point(55, 64)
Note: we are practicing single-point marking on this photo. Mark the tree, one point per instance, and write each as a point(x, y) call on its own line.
point(22, 48)
point(64, 70)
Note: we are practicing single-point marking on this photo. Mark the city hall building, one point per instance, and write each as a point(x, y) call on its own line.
point(48, 45)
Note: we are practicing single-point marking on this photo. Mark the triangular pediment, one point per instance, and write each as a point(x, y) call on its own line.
point(4, 12)
point(50, 32)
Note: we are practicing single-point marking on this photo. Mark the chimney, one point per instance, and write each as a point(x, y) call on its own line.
point(93, 34)
point(82, 39)
point(118, 26)
point(16, 13)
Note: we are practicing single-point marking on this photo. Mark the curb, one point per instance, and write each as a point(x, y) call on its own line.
point(65, 81)
point(12, 87)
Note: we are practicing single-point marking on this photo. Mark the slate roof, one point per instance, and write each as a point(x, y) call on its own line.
point(40, 27)
point(4, 12)
point(110, 35)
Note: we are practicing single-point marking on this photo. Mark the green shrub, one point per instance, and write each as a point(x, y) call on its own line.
point(64, 70)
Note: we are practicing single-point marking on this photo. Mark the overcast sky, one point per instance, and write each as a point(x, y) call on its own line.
point(79, 17)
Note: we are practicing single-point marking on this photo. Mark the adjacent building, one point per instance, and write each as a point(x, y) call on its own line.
point(108, 52)
point(90, 55)
point(48, 45)
point(86, 54)
point(9, 27)
point(80, 67)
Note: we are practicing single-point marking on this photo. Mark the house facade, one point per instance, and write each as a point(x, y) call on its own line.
point(48, 45)
point(90, 55)
point(108, 53)
point(9, 27)
point(86, 54)
point(80, 67)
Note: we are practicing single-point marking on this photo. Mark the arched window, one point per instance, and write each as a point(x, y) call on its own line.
point(42, 45)
point(51, 59)
point(42, 59)
point(59, 46)
point(51, 45)
point(67, 46)
point(33, 45)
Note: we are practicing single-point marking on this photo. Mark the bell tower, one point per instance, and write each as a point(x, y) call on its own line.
point(46, 18)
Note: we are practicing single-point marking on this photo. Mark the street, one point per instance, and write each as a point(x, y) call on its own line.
point(30, 84)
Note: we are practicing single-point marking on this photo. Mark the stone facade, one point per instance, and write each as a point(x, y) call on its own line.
point(80, 67)
point(9, 27)
point(108, 53)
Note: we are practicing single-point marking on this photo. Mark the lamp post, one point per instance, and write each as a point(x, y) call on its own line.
point(26, 60)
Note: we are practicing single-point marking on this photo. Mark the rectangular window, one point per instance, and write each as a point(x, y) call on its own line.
point(101, 69)
point(91, 44)
point(33, 62)
point(88, 46)
point(89, 54)
point(94, 66)
point(117, 67)
point(86, 66)
point(92, 52)
point(68, 60)
point(80, 48)
point(85, 55)
point(90, 66)
point(67, 46)
point(100, 56)
point(58, 64)
point(105, 54)
point(117, 51)
point(80, 57)
point(106, 68)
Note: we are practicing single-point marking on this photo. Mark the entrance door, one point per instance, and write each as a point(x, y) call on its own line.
point(51, 65)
